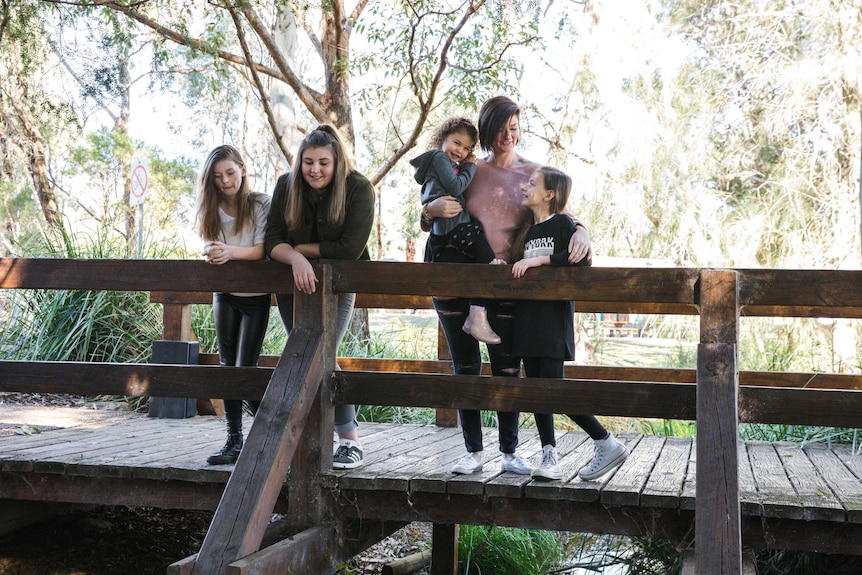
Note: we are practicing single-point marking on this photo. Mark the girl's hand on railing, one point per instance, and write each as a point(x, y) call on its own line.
point(520, 267)
point(303, 274)
point(217, 252)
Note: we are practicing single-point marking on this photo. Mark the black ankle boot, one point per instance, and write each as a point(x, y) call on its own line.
point(228, 453)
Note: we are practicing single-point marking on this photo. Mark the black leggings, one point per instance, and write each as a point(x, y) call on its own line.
point(466, 360)
point(550, 367)
point(240, 323)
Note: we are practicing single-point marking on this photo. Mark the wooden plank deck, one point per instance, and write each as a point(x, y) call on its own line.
point(161, 462)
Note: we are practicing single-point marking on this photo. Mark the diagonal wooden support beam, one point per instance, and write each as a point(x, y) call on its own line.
point(319, 549)
point(251, 492)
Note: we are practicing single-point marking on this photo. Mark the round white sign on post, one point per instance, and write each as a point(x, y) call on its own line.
point(140, 180)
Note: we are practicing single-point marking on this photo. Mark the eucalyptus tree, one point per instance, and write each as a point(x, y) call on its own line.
point(424, 52)
point(30, 113)
point(782, 87)
point(95, 52)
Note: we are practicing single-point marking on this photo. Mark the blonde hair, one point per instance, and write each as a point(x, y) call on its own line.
point(325, 135)
point(209, 224)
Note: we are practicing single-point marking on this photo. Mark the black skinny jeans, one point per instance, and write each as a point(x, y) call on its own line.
point(240, 323)
point(550, 367)
point(466, 360)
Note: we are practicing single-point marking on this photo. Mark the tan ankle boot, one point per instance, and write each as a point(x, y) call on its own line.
point(477, 325)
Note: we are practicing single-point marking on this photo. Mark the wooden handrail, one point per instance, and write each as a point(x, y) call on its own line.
point(723, 397)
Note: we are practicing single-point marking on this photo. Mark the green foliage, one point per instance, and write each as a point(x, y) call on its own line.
point(409, 37)
point(777, 562)
point(102, 163)
point(801, 434)
point(647, 556)
point(395, 414)
point(504, 551)
point(75, 325)
point(667, 427)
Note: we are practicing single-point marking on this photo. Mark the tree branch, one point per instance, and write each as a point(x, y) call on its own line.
point(80, 81)
point(311, 99)
point(240, 34)
point(496, 60)
point(425, 105)
point(184, 40)
point(312, 35)
point(357, 12)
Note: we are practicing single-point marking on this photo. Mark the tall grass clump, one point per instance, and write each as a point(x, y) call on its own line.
point(79, 325)
point(770, 344)
point(505, 551)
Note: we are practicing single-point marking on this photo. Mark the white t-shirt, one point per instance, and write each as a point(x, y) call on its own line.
point(251, 235)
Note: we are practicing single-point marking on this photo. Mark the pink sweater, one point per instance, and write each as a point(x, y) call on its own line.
point(494, 198)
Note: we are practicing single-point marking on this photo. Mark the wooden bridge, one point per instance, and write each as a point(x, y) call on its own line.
point(713, 492)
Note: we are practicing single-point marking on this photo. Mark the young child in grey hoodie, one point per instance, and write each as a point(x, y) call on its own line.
point(446, 170)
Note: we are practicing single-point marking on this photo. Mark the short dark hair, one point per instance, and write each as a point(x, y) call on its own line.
point(493, 117)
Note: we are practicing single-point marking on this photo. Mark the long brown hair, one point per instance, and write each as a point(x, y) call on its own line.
point(552, 179)
point(209, 225)
point(325, 135)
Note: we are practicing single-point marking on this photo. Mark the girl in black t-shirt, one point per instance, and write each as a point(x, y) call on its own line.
point(544, 330)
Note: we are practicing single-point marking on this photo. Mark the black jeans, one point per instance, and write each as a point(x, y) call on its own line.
point(466, 360)
point(240, 323)
point(550, 367)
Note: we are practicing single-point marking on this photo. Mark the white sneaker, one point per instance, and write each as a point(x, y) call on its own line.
point(470, 463)
point(348, 455)
point(549, 468)
point(516, 464)
point(609, 455)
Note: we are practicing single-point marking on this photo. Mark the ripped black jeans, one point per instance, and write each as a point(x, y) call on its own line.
point(466, 360)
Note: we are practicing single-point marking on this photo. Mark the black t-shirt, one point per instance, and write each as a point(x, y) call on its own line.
point(546, 328)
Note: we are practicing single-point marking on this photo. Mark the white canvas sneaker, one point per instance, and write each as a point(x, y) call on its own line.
point(470, 463)
point(516, 464)
point(609, 455)
point(549, 468)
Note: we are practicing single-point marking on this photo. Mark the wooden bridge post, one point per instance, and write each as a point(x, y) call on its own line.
point(718, 537)
point(444, 417)
point(307, 502)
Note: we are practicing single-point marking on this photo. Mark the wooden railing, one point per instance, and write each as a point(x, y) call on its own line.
point(294, 425)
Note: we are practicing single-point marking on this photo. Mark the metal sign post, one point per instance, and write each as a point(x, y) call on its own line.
point(140, 181)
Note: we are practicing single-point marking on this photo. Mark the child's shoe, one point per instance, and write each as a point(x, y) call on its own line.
point(549, 468)
point(477, 325)
point(609, 455)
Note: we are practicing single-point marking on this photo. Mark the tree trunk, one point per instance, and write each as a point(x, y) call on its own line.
point(122, 124)
point(335, 43)
point(280, 94)
point(37, 166)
